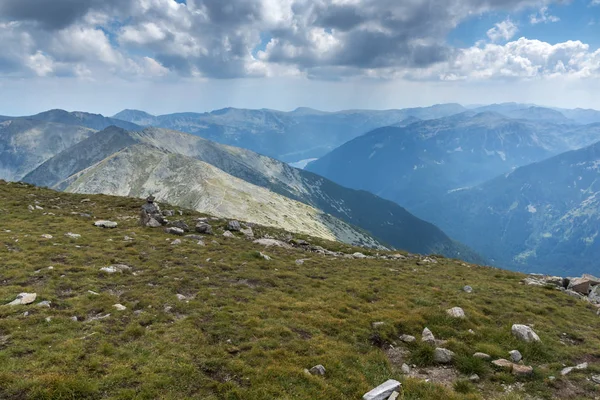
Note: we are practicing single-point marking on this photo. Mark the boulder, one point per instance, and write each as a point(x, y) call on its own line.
point(482, 356)
point(317, 370)
point(23, 299)
point(427, 336)
point(383, 391)
point(522, 370)
point(443, 356)
point(503, 364)
point(204, 228)
point(580, 285)
point(105, 224)
point(515, 356)
point(524, 333)
point(248, 232)
point(180, 224)
point(456, 312)
point(175, 231)
point(228, 234)
point(594, 295)
point(234, 226)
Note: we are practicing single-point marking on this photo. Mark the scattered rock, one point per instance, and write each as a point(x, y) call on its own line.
point(394, 396)
point(120, 307)
point(181, 297)
point(568, 370)
point(175, 231)
point(248, 232)
point(407, 338)
point(264, 256)
point(503, 364)
point(204, 228)
point(74, 319)
point(299, 262)
point(522, 370)
point(105, 224)
point(377, 324)
point(47, 236)
point(359, 255)
point(228, 234)
point(482, 356)
point(168, 213)
point(72, 235)
point(234, 226)
point(525, 333)
point(44, 303)
point(120, 268)
point(456, 312)
point(317, 370)
point(596, 379)
point(30, 207)
point(23, 299)
point(180, 224)
point(176, 242)
point(443, 356)
point(201, 243)
point(515, 355)
point(383, 391)
point(405, 369)
point(272, 242)
point(427, 336)
point(468, 289)
point(474, 378)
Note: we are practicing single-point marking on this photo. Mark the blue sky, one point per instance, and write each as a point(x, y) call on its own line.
point(196, 55)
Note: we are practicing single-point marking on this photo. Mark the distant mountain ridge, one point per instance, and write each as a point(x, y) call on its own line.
point(384, 220)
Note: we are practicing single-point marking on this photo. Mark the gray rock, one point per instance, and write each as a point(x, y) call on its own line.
point(201, 243)
point(482, 356)
point(234, 226)
point(359, 255)
point(228, 234)
point(72, 235)
point(580, 285)
point(474, 378)
point(407, 338)
point(522, 370)
point(105, 224)
point(44, 303)
point(383, 391)
point(175, 231)
point(317, 370)
point(443, 356)
point(594, 295)
point(272, 242)
point(299, 262)
point(427, 336)
point(456, 312)
point(180, 224)
point(168, 213)
point(120, 307)
point(23, 299)
point(204, 228)
point(515, 356)
point(405, 369)
point(394, 396)
point(264, 256)
point(524, 333)
point(579, 367)
point(176, 242)
point(248, 232)
point(596, 379)
point(120, 268)
point(468, 289)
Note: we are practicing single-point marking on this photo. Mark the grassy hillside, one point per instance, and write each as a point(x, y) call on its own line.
point(246, 327)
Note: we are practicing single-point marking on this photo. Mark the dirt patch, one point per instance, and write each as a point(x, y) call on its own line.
point(445, 376)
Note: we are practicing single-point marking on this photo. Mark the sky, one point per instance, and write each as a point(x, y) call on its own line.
point(166, 56)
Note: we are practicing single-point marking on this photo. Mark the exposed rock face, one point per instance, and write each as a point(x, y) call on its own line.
point(580, 285)
point(383, 391)
point(150, 214)
point(525, 333)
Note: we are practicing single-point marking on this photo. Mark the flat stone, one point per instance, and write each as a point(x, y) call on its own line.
point(120, 268)
point(105, 224)
point(317, 370)
point(72, 235)
point(23, 299)
point(173, 230)
point(47, 236)
point(515, 355)
point(359, 255)
point(579, 367)
point(394, 396)
point(522, 370)
point(272, 242)
point(443, 356)
point(44, 303)
point(407, 338)
point(456, 312)
point(503, 364)
point(482, 356)
point(383, 391)
point(525, 333)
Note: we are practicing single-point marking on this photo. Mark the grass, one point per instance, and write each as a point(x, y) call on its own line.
point(249, 327)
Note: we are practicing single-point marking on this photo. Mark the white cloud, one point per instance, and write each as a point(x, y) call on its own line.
point(503, 30)
point(542, 16)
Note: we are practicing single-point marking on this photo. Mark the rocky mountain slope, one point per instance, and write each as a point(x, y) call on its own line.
point(384, 220)
point(133, 312)
point(25, 144)
point(92, 121)
point(414, 164)
point(288, 136)
point(543, 217)
point(187, 182)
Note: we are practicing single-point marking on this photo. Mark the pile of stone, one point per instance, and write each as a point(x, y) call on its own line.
point(586, 287)
point(150, 214)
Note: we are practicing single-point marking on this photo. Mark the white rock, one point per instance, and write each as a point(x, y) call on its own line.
point(105, 224)
point(299, 262)
point(482, 356)
point(72, 235)
point(377, 324)
point(23, 299)
point(181, 297)
point(596, 379)
point(120, 307)
point(468, 289)
point(44, 303)
point(272, 242)
point(525, 333)
point(405, 369)
point(443, 356)
point(427, 336)
point(358, 255)
point(407, 338)
point(394, 396)
point(456, 312)
point(515, 356)
point(47, 236)
point(115, 268)
point(264, 256)
point(317, 370)
point(228, 234)
point(383, 391)
point(176, 242)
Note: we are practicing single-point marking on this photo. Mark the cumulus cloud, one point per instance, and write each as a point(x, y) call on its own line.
point(321, 39)
point(503, 30)
point(542, 16)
